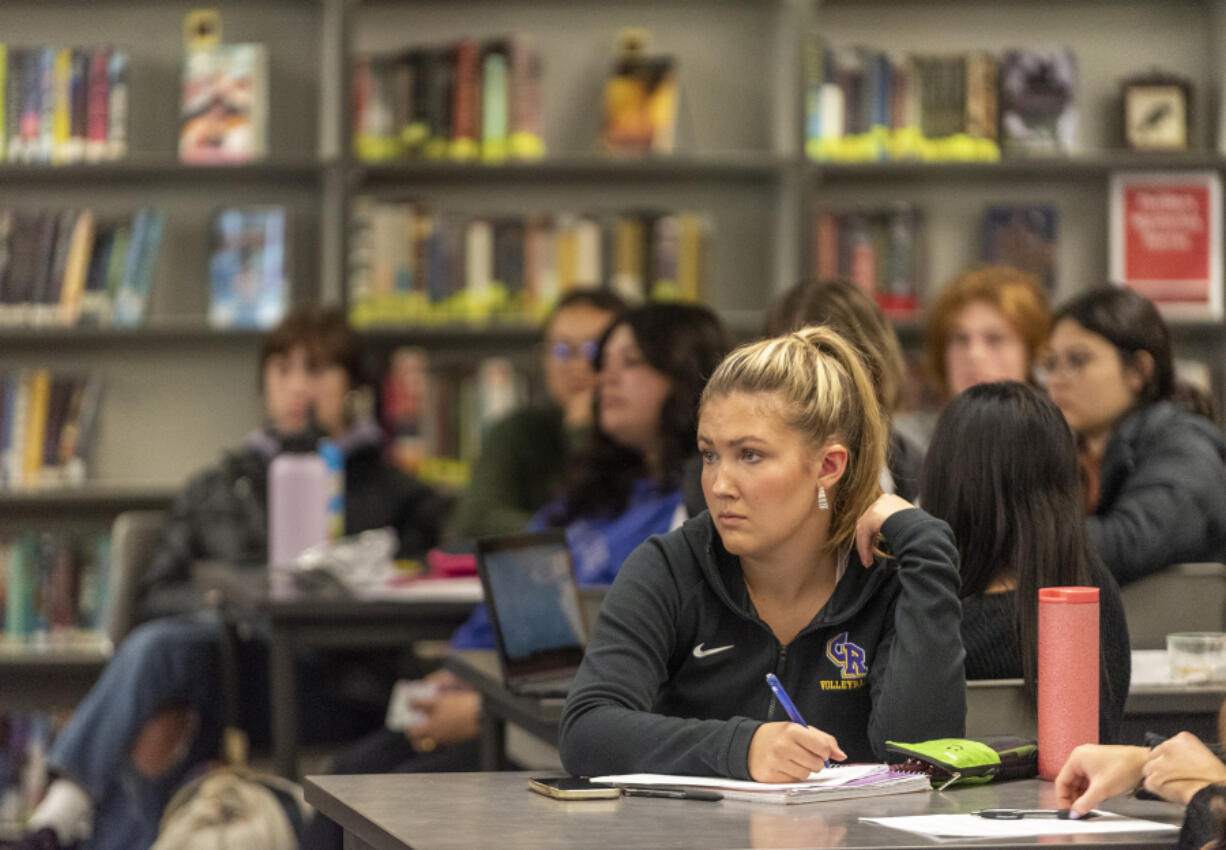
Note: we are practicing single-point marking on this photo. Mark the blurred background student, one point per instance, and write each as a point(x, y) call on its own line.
point(651, 367)
point(523, 456)
point(1153, 463)
point(989, 323)
point(846, 309)
point(156, 711)
point(1002, 471)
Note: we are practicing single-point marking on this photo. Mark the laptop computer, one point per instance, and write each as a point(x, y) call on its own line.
point(535, 611)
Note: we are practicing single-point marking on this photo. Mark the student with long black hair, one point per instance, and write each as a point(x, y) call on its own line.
point(1153, 462)
point(1002, 471)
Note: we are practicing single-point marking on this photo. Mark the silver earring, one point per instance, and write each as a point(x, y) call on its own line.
point(822, 504)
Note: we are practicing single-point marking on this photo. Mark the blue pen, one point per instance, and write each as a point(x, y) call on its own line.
point(786, 701)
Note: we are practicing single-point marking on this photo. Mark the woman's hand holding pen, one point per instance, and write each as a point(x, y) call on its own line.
point(789, 752)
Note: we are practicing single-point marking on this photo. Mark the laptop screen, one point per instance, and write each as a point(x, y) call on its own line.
point(533, 603)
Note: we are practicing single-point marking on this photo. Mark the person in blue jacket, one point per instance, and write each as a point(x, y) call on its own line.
point(625, 486)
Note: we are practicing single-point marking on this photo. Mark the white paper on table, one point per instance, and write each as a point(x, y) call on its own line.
point(1151, 667)
point(829, 777)
point(466, 589)
point(973, 826)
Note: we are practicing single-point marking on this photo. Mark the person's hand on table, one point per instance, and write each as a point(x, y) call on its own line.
point(1181, 766)
point(452, 717)
point(1095, 772)
point(445, 680)
point(868, 527)
point(789, 752)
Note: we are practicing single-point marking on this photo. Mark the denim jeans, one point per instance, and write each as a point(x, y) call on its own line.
point(161, 663)
point(176, 661)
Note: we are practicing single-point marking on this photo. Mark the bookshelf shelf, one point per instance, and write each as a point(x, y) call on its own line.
point(680, 168)
point(1090, 167)
point(154, 334)
point(99, 496)
point(459, 336)
point(166, 170)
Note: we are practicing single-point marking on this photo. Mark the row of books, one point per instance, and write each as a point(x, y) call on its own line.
point(69, 267)
point(471, 100)
point(411, 264)
point(438, 416)
point(862, 104)
point(25, 741)
point(48, 424)
point(883, 249)
point(54, 588)
point(63, 105)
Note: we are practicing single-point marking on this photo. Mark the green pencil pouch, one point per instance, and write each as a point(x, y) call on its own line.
point(959, 760)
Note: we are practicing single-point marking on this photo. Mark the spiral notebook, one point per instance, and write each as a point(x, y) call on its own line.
point(837, 782)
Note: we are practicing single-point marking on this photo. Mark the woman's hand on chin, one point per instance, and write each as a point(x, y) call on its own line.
point(868, 528)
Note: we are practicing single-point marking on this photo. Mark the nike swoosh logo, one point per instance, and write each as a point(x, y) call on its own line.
point(699, 652)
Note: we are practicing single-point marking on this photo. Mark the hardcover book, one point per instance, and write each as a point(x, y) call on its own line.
point(247, 269)
point(1039, 102)
point(225, 104)
point(1024, 236)
point(640, 100)
point(1166, 240)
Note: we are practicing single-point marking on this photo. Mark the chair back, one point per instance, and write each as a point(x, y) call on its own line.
point(1181, 598)
point(134, 536)
point(998, 707)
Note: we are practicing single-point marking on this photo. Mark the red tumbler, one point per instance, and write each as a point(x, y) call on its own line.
point(1068, 674)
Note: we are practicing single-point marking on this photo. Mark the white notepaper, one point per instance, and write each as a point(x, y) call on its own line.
point(829, 777)
point(973, 826)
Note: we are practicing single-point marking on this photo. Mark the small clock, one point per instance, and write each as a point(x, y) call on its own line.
point(1157, 114)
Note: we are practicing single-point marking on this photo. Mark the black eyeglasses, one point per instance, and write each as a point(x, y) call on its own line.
point(567, 350)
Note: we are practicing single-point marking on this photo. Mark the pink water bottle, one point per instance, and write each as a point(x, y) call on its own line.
point(1068, 674)
point(298, 490)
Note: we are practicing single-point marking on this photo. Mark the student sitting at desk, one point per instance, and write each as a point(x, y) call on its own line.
point(1002, 471)
point(155, 712)
point(844, 307)
point(1181, 770)
point(651, 368)
point(780, 576)
point(523, 457)
point(1153, 462)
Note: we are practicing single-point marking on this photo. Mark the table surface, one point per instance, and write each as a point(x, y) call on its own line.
point(252, 589)
point(464, 810)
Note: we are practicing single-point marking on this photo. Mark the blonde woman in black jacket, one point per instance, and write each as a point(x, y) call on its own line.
point(779, 576)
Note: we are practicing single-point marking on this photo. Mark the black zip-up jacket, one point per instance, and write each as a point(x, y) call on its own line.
point(221, 514)
point(1162, 496)
point(673, 678)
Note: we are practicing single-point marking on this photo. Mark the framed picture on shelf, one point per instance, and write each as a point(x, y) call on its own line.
point(1157, 112)
point(1166, 240)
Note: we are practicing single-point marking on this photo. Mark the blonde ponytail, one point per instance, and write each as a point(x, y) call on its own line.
point(828, 396)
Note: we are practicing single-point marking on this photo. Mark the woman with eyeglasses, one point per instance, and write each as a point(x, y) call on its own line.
point(522, 456)
point(1153, 463)
point(622, 487)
